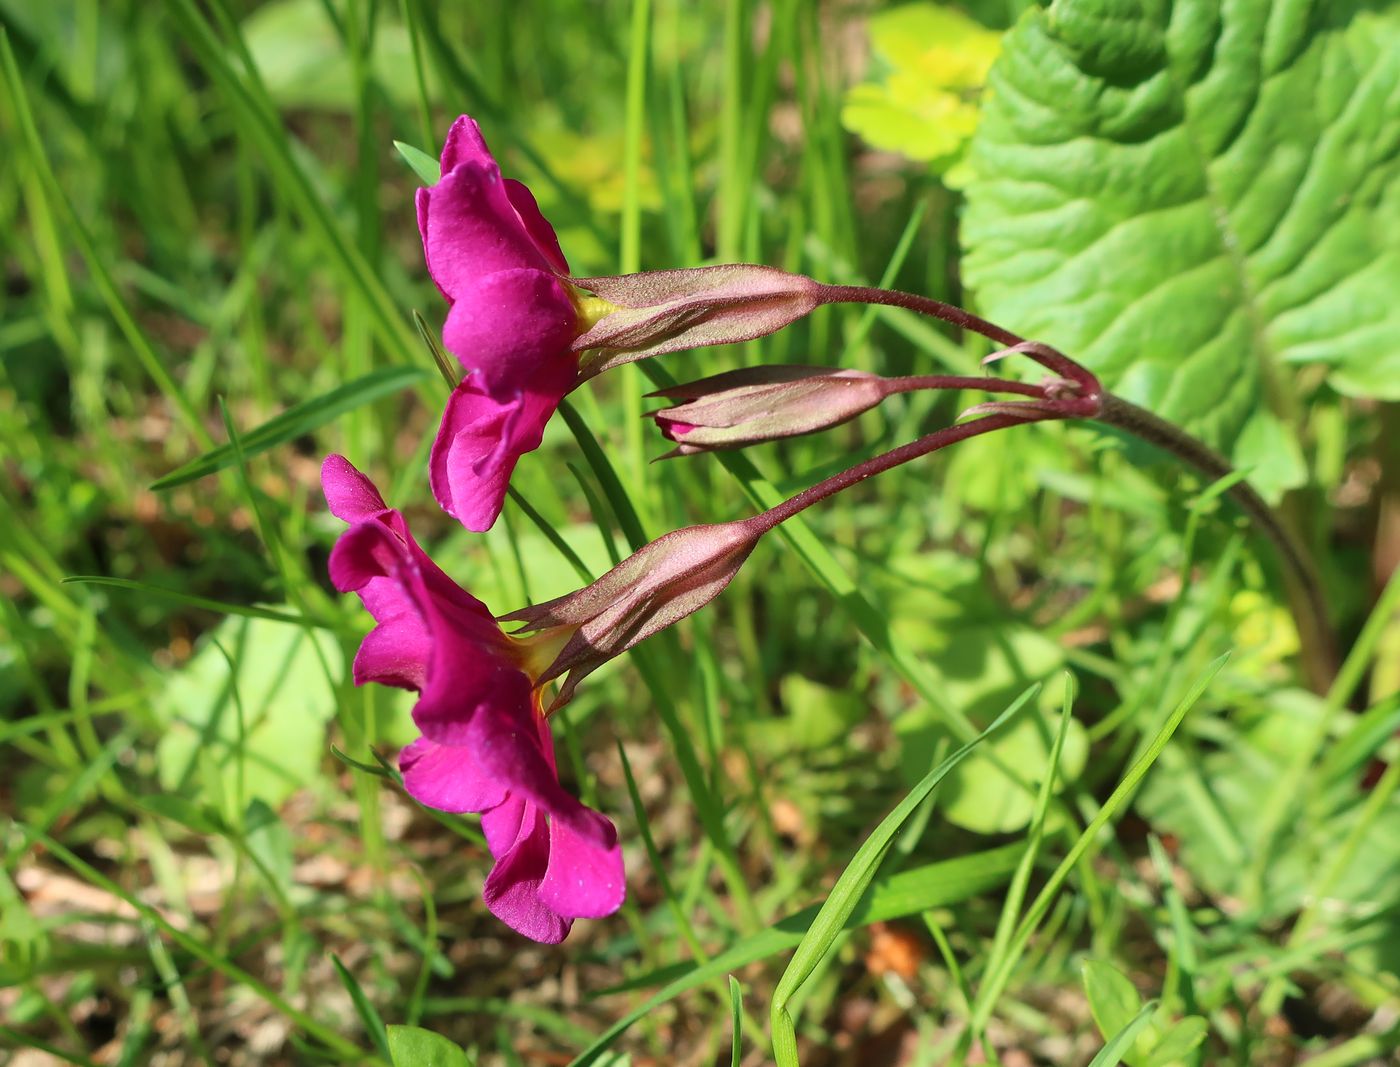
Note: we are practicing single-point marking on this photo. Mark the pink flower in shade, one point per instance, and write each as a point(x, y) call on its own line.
point(486, 745)
point(510, 323)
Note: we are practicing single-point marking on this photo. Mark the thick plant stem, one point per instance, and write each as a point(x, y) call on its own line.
point(1306, 597)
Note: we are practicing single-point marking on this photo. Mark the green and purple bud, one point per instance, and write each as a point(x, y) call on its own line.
point(635, 316)
point(756, 404)
point(657, 586)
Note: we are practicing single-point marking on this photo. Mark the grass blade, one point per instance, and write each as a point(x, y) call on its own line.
point(297, 420)
point(203, 602)
point(909, 892)
point(1112, 1053)
point(374, 1025)
point(996, 982)
point(849, 888)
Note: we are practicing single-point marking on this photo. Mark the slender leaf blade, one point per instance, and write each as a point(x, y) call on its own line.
point(297, 420)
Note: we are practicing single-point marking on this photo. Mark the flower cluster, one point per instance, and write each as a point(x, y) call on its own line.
point(527, 333)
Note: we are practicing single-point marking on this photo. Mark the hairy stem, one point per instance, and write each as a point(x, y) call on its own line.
point(914, 382)
point(1307, 599)
point(923, 305)
point(767, 520)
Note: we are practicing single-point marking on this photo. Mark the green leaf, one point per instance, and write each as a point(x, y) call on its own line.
point(1193, 198)
point(305, 64)
point(412, 1046)
point(1271, 455)
point(297, 420)
point(736, 1020)
point(373, 1024)
point(1113, 999)
point(200, 818)
point(849, 888)
point(1118, 1045)
point(980, 668)
point(981, 796)
point(259, 725)
point(817, 716)
point(1180, 1040)
point(223, 607)
point(424, 165)
point(909, 892)
point(922, 105)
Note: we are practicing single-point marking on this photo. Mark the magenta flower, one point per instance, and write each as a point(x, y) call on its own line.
point(519, 324)
point(510, 322)
point(486, 745)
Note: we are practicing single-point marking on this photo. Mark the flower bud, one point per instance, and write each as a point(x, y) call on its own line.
point(744, 407)
point(658, 585)
point(670, 310)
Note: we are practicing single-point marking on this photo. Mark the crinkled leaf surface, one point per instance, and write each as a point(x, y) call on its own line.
point(1195, 197)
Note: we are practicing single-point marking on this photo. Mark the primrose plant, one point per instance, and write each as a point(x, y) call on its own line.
point(527, 333)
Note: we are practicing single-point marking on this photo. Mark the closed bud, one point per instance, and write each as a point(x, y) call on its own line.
point(744, 407)
point(658, 585)
point(647, 314)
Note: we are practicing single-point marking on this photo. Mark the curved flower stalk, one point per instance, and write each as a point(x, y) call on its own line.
point(486, 745)
point(682, 571)
point(756, 404)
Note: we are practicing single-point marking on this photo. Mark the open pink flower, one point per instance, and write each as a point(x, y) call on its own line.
point(510, 323)
point(519, 324)
point(485, 745)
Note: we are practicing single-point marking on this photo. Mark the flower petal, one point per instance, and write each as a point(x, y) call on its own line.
point(448, 778)
point(502, 824)
point(518, 750)
point(540, 231)
point(582, 881)
point(352, 496)
point(470, 230)
point(512, 889)
point(508, 326)
point(467, 683)
point(366, 551)
point(464, 144)
point(395, 653)
point(478, 444)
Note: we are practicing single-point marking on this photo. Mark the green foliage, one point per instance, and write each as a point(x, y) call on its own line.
point(1210, 806)
point(924, 105)
point(208, 234)
point(1144, 1038)
point(1196, 200)
point(412, 1046)
point(246, 717)
point(297, 420)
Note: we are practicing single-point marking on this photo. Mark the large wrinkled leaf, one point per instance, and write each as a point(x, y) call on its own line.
point(1194, 198)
